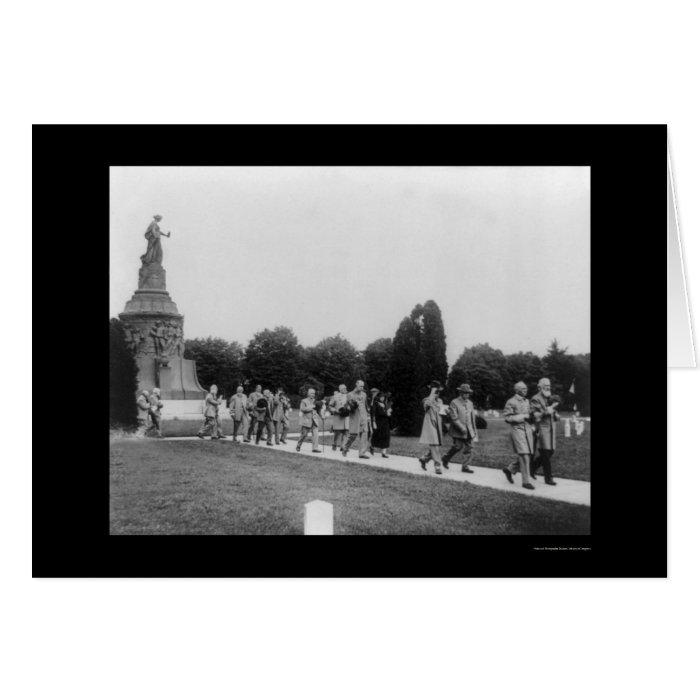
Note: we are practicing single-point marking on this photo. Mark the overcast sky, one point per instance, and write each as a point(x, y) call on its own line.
point(505, 252)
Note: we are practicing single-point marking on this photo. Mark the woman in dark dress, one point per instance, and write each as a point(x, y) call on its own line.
point(381, 430)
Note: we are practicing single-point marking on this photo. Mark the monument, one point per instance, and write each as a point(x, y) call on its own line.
point(154, 332)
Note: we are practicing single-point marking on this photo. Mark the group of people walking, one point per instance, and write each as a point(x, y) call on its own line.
point(355, 415)
point(261, 410)
point(532, 429)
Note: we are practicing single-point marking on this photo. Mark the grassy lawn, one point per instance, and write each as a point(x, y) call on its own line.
point(572, 459)
point(212, 488)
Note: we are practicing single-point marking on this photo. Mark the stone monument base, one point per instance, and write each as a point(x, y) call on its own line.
point(176, 378)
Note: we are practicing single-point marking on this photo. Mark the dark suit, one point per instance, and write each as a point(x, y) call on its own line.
point(263, 418)
point(545, 434)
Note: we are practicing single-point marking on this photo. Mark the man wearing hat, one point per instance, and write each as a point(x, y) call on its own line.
point(431, 434)
point(517, 415)
point(543, 410)
point(462, 428)
point(358, 423)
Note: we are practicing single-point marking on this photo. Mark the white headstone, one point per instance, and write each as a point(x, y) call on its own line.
point(318, 518)
point(567, 427)
point(579, 427)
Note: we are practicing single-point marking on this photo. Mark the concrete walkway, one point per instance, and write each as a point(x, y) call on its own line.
point(566, 490)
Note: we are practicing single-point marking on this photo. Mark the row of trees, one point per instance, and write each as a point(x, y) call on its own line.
point(492, 375)
point(275, 358)
point(404, 365)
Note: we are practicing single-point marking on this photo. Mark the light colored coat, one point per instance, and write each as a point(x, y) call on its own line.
point(143, 405)
point(309, 416)
point(238, 406)
point(211, 406)
point(339, 422)
point(545, 423)
point(463, 419)
point(358, 420)
point(431, 434)
point(517, 414)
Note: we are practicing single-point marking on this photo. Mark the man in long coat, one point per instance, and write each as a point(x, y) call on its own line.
point(431, 434)
point(211, 413)
point(252, 403)
point(339, 423)
point(358, 423)
point(280, 407)
point(543, 410)
point(517, 415)
point(238, 407)
point(310, 420)
point(462, 429)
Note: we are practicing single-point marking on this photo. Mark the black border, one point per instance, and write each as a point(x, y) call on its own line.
point(71, 298)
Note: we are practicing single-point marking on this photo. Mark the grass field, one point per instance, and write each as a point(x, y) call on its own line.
point(572, 458)
point(214, 488)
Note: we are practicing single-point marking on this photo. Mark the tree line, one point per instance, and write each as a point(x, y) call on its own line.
point(403, 365)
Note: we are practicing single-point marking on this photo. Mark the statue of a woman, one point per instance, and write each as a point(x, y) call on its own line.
point(154, 252)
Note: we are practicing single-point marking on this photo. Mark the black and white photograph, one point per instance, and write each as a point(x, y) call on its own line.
point(335, 344)
point(329, 350)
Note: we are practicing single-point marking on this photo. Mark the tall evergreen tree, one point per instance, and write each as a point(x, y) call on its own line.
point(419, 355)
point(377, 363)
point(123, 373)
point(432, 353)
point(403, 377)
